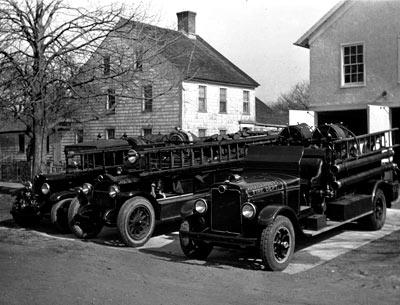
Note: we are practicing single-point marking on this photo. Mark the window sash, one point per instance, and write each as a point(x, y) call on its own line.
point(110, 99)
point(148, 98)
point(246, 102)
point(353, 64)
point(147, 131)
point(202, 132)
point(202, 99)
point(110, 133)
point(222, 100)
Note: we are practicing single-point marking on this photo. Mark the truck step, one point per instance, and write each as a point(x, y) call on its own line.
point(315, 222)
point(348, 207)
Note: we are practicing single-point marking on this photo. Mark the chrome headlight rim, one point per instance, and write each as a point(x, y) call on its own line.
point(45, 188)
point(248, 210)
point(200, 206)
point(132, 156)
point(113, 191)
point(86, 188)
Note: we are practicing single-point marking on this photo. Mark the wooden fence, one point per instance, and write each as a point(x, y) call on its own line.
point(19, 171)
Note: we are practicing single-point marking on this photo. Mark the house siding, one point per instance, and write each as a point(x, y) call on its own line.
point(377, 25)
point(212, 120)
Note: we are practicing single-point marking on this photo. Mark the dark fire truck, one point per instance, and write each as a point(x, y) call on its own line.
point(155, 185)
point(310, 184)
point(51, 194)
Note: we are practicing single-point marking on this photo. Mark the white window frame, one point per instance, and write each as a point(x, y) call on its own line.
point(205, 99)
point(226, 100)
point(205, 132)
point(144, 98)
point(352, 85)
point(246, 102)
point(107, 135)
point(111, 92)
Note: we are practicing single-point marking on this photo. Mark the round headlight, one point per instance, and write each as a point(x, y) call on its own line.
point(248, 210)
point(200, 206)
point(113, 191)
point(119, 170)
point(45, 188)
point(86, 188)
point(133, 156)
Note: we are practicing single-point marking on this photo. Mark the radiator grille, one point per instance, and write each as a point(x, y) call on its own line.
point(225, 211)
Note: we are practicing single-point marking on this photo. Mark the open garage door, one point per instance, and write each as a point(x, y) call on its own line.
point(302, 116)
point(378, 118)
point(355, 120)
point(395, 112)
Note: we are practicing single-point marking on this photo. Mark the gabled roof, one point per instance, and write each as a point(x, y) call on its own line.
point(198, 60)
point(304, 40)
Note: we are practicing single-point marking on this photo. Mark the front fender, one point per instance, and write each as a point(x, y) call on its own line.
point(269, 213)
point(62, 195)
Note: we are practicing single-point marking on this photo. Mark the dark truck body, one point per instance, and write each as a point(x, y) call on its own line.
point(284, 192)
point(84, 162)
point(156, 184)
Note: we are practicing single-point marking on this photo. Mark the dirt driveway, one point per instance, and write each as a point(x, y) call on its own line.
point(42, 267)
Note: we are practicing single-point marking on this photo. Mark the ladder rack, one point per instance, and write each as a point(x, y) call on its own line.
point(192, 156)
point(364, 145)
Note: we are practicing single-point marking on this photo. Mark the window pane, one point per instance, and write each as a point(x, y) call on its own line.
point(148, 98)
point(353, 49)
point(360, 68)
point(347, 78)
point(354, 78)
point(202, 99)
point(359, 58)
point(360, 49)
point(346, 60)
point(347, 69)
point(346, 50)
point(354, 69)
point(361, 77)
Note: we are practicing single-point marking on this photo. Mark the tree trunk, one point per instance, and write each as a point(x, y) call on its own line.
point(38, 156)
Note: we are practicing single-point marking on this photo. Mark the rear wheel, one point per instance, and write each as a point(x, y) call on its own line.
point(59, 215)
point(193, 248)
point(377, 219)
point(136, 221)
point(84, 220)
point(277, 244)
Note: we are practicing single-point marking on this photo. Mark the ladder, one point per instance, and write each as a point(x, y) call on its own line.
point(194, 156)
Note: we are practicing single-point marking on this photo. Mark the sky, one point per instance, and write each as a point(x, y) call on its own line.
point(256, 35)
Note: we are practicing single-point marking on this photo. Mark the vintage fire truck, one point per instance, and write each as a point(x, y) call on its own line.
point(156, 183)
point(310, 184)
point(51, 194)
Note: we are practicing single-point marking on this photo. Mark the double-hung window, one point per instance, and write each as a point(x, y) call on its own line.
point(202, 99)
point(147, 98)
point(110, 104)
point(110, 133)
point(246, 102)
point(353, 65)
point(222, 100)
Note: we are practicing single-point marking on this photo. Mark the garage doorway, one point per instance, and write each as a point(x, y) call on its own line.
point(355, 120)
point(396, 123)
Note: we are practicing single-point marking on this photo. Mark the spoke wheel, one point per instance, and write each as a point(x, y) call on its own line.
point(192, 248)
point(136, 221)
point(377, 219)
point(277, 244)
point(84, 221)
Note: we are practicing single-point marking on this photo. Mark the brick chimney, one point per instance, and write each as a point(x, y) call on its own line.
point(187, 23)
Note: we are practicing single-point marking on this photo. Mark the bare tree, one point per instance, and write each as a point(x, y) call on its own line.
point(52, 54)
point(298, 97)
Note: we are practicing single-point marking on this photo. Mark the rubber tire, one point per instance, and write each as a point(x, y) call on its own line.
point(123, 220)
point(76, 228)
point(267, 244)
point(376, 220)
point(59, 215)
point(193, 249)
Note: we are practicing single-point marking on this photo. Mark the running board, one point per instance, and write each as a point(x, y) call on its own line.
point(333, 224)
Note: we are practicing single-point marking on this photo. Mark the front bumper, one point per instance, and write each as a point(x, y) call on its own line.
point(224, 239)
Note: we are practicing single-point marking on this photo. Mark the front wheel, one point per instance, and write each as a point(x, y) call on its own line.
point(277, 244)
point(84, 220)
point(195, 249)
point(136, 221)
point(59, 215)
